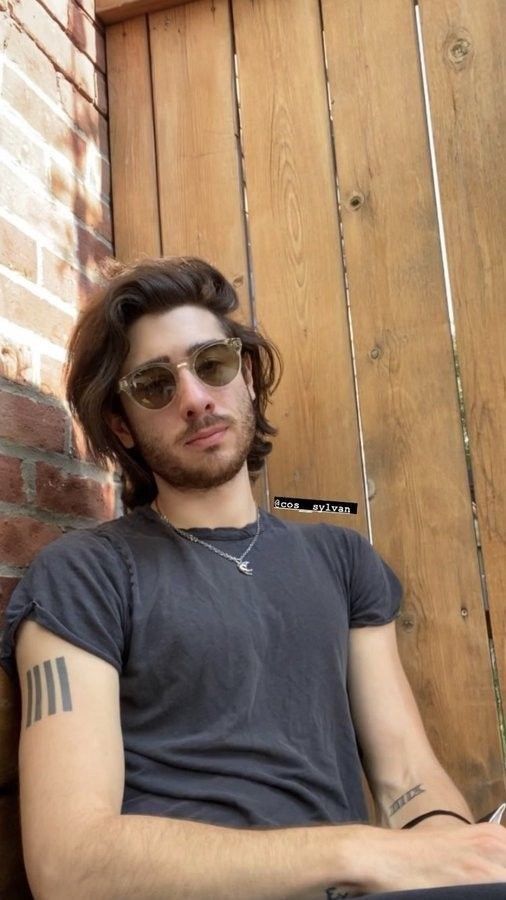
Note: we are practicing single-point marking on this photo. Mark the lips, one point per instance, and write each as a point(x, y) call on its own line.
point(207, 432)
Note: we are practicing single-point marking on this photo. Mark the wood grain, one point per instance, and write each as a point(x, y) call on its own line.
point(464, 47)
point(198, 156)
point(298, 275)
point(421, 511)
point(133, 163)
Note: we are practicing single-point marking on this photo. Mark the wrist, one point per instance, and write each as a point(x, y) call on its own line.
point(353, 854)
point(439, 822)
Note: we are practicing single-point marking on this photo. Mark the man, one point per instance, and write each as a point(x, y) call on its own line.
point(200, 679)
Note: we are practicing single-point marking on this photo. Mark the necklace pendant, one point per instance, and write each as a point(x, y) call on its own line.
point(243, 567)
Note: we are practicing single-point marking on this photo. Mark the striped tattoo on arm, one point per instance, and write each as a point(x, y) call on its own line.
point(48, 690)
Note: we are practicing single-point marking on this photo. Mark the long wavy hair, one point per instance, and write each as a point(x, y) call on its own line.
point(99, 345)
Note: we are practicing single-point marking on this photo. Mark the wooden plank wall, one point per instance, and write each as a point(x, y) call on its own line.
point(333, 152)
point(464, 48)
point(133, 162)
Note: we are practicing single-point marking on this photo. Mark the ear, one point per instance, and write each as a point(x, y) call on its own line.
point(247, 374)
point(119, 427)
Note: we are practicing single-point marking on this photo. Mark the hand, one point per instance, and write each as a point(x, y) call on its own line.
point(436, 857)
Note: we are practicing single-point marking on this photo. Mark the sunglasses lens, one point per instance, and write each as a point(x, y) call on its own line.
point(154, 388)
point(217, 365)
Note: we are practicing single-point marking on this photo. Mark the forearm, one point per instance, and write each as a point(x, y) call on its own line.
point(147, 857)
point(150, 857)
point(419, 792)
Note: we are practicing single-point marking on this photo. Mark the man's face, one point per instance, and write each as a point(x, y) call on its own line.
point(162, 435)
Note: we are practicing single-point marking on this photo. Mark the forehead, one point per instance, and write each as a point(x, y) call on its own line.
point(170, 334)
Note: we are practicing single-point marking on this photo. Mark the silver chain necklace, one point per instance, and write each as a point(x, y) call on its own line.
point(242, 566)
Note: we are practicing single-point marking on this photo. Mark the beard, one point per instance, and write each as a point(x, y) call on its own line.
point(211, 466)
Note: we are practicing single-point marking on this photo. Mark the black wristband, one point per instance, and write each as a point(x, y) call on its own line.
point(435, 812)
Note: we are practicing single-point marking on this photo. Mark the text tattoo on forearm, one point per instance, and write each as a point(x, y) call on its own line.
point(405, 798)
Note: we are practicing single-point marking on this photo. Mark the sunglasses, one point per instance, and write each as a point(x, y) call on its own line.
point(154, 385)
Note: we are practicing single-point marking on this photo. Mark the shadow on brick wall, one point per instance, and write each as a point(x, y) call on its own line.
point(48, 485)
point(13, 882)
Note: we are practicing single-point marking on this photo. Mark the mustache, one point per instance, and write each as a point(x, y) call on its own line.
point(206, 422)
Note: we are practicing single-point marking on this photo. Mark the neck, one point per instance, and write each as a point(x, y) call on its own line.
point(230, 505)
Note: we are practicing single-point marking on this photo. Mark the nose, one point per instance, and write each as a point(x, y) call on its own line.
point(192, 396)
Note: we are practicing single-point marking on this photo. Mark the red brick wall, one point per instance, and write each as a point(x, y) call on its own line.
point(55, 231)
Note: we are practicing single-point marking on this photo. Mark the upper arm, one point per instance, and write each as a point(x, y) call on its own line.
point(71, 762)
point(385, 714)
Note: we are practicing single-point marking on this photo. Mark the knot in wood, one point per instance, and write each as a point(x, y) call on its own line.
point(356, 200)
point(460, 49)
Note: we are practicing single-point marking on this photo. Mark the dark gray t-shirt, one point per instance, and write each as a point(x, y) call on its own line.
point(233, 695)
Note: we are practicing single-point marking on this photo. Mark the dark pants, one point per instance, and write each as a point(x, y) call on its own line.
point(461, 892)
